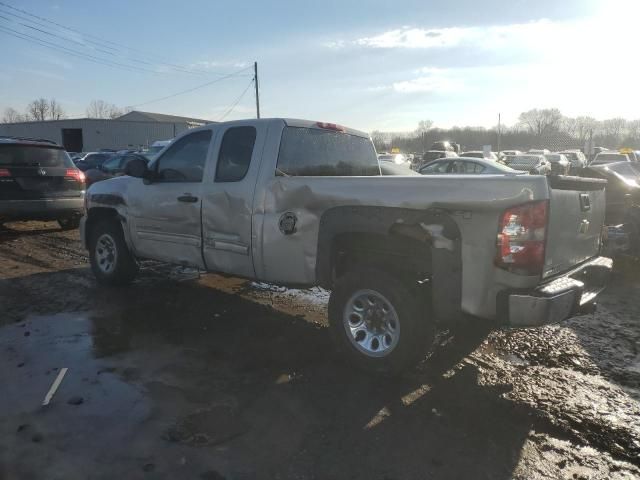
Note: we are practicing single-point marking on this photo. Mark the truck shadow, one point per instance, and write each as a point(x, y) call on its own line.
point(299, 411)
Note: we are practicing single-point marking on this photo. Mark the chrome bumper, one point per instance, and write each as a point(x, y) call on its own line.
point(561, 298)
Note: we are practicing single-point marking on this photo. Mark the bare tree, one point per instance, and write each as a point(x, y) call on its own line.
point(614, 128)
point(633, 129)
point(585, 128)
point(424, 126)
point(115, 112)
point(38, 109)
point(11, 115)
point(102, 109)
point(541, 122)
point(569, 125)
point(55, 110)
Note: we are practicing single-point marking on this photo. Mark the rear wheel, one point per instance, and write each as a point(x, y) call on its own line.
point(69, 223)
point(111, 260)
point(378, 321)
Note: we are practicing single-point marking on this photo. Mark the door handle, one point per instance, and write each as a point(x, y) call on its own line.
point(187, 198)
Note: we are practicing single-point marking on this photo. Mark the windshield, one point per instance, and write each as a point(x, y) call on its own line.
point(610, 158)
point(625, 169)
point(154, 150)
point(319, 152)
point(36, 156)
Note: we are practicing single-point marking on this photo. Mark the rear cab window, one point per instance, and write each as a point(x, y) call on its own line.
point(317, 152)
point(16, 155)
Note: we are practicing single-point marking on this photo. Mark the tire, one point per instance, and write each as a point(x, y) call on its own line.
point(386, 348)
point(111, 261)
point(69, 223)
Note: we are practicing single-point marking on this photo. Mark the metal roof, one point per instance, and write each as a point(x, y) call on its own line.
point(162, 117)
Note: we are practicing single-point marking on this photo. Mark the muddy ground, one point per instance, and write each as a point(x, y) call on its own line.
point(188, 376)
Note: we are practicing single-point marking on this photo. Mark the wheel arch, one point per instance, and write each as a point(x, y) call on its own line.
point(420, 246)
point(99, 213)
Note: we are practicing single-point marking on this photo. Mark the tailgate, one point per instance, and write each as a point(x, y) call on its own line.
point(576, 217)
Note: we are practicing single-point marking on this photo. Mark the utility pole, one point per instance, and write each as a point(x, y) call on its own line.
point(255, 81)
point(499, 134)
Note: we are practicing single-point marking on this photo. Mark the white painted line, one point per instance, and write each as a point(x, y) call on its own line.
point(54, 386)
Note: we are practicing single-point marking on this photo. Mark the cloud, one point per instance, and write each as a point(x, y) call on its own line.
point(528, 34)
point(429, 80)
point(434, 80)
point(406, 37)
point(213, 65)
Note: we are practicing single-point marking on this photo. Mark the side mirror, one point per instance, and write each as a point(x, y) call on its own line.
point(137, 167)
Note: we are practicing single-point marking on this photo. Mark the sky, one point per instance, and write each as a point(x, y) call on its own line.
point(374, 65)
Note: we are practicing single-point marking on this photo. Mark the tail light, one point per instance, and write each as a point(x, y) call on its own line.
point(521, 238)
point(4, 172)
point(75, 174)
point(331, 126)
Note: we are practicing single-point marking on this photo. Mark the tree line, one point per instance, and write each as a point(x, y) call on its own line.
point(537, 128)
point(42, 109)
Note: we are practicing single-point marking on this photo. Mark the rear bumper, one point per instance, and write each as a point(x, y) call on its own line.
point(561, 298)
point(41, 209)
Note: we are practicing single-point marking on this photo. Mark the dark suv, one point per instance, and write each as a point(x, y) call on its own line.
point(38, 181)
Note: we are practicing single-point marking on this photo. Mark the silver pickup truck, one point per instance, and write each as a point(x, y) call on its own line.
point(301, 203)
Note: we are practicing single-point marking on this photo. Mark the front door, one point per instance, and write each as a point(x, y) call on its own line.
point(227, 203)
point(165, 213)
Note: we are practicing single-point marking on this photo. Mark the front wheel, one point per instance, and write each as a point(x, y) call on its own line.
point(111, 260)
point(378, 321)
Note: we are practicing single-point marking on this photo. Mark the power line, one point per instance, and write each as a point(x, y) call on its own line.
point(197, 87)
point(98, 47)
point(68, 51)
point(108, 44)
point(237, 101)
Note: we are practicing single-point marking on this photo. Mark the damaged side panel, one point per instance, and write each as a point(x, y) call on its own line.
point(400, 206)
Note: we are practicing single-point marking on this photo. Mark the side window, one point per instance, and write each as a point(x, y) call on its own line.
point(474, 168)
point(235, 154)
point(184, 160)
point(112, 164)
point(435, 168)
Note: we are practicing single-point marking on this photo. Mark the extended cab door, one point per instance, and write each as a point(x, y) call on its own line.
point(227, 203)
point(165, 212)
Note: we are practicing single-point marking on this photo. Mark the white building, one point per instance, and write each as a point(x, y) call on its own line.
point(129, 131)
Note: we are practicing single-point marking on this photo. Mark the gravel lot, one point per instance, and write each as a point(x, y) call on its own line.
point(189, 376)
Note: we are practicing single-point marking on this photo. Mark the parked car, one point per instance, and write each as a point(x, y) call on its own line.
point(534, 164)
point(510, 152)
point(155, 148)
point(38, 181)
point(93, 160)
point(113, 167)
point(629, 153)
point(396, 158)
point(296, 202)
point(434, 155)
point(539, 151)
point(622, 214)
point(610, 157)
point(466, 166)
point(577, 159)
point(390, 168)
point(480, 154)
point(560, 165)
point(447, 146)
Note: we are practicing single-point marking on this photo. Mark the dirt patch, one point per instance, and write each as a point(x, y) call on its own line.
point(184, 375)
